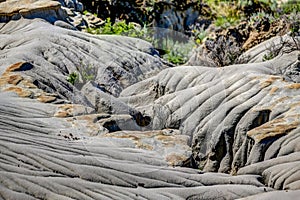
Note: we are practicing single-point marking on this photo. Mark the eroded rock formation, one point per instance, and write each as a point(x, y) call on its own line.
point(127, 122)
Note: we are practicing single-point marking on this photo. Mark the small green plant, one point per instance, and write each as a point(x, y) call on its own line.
point(226, 13)
point(85, 12)
point(177, 52)
point(173, 51)
point(174, 58)
point(87, 73)
point(82, 75)
point(117, 28)
point(268, 56)
point(284, 46)
point(199, 36)
point(122, 28)
point(73, 78)
point(223, 22)
point(258, 17)
point(291, 6)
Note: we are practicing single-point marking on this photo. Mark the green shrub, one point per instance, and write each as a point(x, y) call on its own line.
point(123, 28)
point(173, 51)
point(178, 52)
point(290, 7)
point(199, 35)
point(87, 72)
point(225, 22)
point(82, 75)
point(174, 58)
point(268, 56)
point(257, 19)
point(85, 12)
point(73, 78)
point(223, 51)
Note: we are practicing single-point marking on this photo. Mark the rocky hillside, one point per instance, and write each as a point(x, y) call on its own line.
point(87, 116)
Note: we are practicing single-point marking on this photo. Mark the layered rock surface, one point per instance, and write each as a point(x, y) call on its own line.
point(130, 120)
point(16, 9)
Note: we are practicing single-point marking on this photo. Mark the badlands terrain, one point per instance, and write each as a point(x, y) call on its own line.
point(140, 128)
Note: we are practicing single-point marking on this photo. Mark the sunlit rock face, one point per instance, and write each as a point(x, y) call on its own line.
point(236, 116)
point(15, 9)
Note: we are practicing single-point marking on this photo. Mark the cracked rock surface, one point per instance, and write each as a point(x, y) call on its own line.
point(129, 126)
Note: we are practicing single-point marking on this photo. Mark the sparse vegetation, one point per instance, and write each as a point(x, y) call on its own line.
point(226, 13)
point(73, 78)
point(200, 35)
point(295, 29)
point(223, 14)
point(121, 28)
point(85, 12)
point(291, 6)
point(223, 51)
point(87, 72)
point(269, 56)
point(178, 52)
point(82, 75)
point(284, 46)
point(174, 51)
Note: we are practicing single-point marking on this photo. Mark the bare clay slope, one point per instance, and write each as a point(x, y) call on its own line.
point(242, 119)
point(120, 133)
point(53, 143)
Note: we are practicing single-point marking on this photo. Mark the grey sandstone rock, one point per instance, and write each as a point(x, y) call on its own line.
point(49, 10)
point(236, 116)
point(130, 121)
point(276, 195)
point(47, 165)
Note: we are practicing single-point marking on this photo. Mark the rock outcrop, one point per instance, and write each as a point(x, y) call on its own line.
point(236, 116)
point(55, 142)
point(224, 47)
point(16, 9)
point(177, 15)
point(103, 117)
